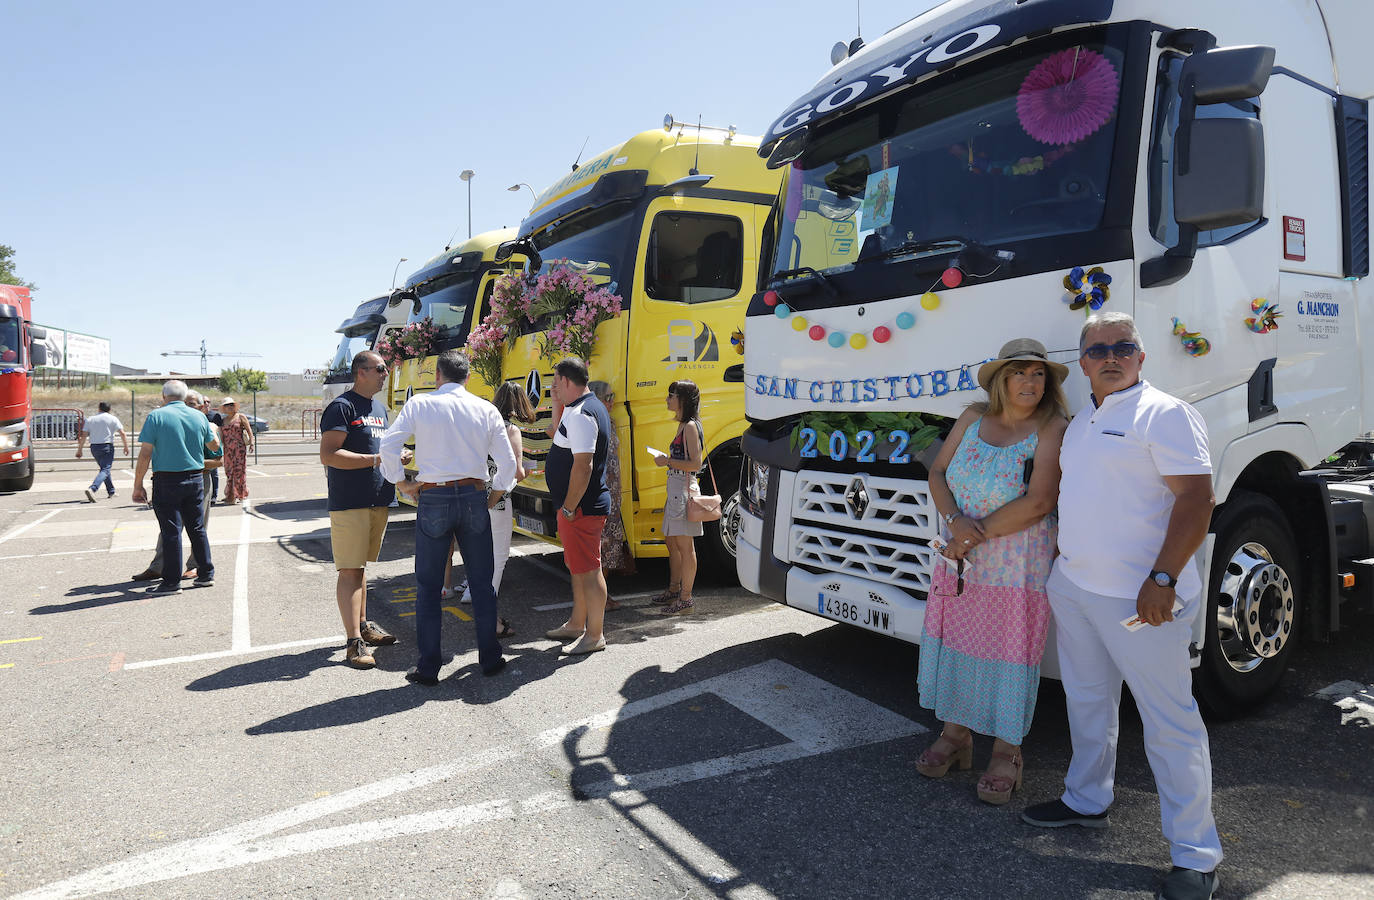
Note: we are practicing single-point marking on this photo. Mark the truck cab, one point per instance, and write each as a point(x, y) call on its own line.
point(670, 222)
point(990, 171)
point(357, 333)
point(21, 349)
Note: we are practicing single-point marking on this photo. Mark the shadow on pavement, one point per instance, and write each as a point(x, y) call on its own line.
point(289, 667)
point(100, 595)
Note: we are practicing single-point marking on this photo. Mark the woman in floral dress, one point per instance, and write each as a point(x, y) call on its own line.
point(237, 432)
point(995, 484)
point(615, 547)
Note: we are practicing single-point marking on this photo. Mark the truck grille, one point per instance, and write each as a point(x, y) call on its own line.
point(864, 525)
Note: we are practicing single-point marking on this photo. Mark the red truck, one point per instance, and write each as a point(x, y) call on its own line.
point(21, 348)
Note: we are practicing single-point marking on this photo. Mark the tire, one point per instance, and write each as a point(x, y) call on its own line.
point(1253, 606)
point(718, 539)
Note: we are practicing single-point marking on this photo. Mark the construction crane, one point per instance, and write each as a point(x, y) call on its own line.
point(203, 353)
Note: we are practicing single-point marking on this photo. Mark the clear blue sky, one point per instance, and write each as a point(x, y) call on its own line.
point(248, 173)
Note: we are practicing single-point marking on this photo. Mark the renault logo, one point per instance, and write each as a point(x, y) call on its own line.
point(534, 388)
point(856, 497)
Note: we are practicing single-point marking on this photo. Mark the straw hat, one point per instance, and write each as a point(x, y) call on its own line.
point(1019, 350)
point(229, 401)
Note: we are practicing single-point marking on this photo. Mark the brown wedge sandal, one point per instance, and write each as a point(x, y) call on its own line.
point(935, 762)
point(997, 789)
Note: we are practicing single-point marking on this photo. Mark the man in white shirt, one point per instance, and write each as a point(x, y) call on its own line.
point(102, 428)
point(1135, 501)
point(455, 432)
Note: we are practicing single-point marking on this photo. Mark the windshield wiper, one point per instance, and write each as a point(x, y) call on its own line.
point(804, 270)
point(908, 248)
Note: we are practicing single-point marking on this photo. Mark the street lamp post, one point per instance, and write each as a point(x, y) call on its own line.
point(466, 175)
point(520, 184)
point(394, 271)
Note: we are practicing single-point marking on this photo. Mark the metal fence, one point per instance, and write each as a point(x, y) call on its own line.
point(310, 422)
point(57, 424)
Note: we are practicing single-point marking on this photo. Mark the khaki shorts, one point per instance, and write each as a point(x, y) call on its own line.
point(355, 535)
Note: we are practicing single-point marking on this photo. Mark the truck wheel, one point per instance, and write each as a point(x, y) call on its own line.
point(719, 537)
point(1253, 606)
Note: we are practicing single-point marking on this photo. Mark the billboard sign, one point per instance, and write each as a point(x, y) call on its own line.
point(56, 342)
point(86, 353)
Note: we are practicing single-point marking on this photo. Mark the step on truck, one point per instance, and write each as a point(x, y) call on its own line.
point(669, 221)
point(21, 348)
point(998, 170)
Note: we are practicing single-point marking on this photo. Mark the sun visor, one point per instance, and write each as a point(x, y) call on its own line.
point(932, 46)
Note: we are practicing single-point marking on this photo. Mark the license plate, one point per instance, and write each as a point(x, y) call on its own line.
point(854, 612)
point(530, 523)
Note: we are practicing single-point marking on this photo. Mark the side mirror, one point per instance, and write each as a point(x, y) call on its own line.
point(38, 354)
point(504, 251)
point(789, 148)
point(1223, 181)
point(1229, 73)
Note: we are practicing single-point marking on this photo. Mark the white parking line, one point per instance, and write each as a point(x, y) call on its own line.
point(815, 716)
point(15, 532)
point(240, 640)
point(221, 654)
point(260, 473)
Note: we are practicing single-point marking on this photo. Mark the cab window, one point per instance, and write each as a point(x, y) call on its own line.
point(694, 258)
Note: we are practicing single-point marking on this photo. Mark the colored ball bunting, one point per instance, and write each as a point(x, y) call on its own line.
point(858, 341)
point(816, 332)
point(836, 339)
point(770, 298)
point(952, 277)
point(905, 320)
point(783, 311)
point(799, 323)
point(882, 334)
point(930, 300)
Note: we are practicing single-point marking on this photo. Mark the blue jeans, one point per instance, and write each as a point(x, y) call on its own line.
point(176, 502)
point(447, 514)
point(103, 454)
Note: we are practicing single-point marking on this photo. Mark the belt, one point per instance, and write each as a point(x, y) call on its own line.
point(460, 482)
point(178, 474)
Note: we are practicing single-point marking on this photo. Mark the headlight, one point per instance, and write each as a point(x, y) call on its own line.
point(11, 439)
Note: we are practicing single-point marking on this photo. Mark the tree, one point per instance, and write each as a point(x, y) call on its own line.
point(237, 380)
point(7, 275)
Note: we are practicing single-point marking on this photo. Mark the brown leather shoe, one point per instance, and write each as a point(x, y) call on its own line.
point(147, 575)
point(358, 656)
point(375, 634)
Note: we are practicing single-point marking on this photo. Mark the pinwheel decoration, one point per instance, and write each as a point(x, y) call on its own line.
point(1265, 318)
point(737, 341)
point(1087, 288)
point(1194, 344)
point(1067, 96)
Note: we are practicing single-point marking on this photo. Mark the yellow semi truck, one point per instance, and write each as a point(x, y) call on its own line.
point(671, 221)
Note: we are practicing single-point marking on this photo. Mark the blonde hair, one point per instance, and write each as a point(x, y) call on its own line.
point(1052, 403)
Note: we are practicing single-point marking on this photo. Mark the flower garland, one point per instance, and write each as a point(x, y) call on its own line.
point(561, 293)
point(416, 341)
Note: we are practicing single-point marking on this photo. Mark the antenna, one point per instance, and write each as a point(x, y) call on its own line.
point(858, 18)
point(579, 153)
point(697, 159)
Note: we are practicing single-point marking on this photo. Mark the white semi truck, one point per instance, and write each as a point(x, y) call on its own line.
point(993, 170)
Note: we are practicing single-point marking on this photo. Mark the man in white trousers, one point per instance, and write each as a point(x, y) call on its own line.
point(1134, 506)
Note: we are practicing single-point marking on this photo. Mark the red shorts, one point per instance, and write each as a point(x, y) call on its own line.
point(581, 539)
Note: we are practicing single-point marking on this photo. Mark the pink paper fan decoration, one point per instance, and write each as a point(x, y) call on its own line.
point(1067, 97)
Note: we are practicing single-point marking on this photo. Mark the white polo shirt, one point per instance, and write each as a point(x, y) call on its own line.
point(1114, 504)
point(102, 427)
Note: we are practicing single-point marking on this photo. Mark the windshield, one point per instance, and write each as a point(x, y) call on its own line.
point(1017, 150)
point(446, 300)
point(9, 341)
point(597, 241)
point(348, 348)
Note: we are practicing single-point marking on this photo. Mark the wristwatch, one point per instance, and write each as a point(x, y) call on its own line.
point(567, 513)
point(1163, 579)
point(950, 517)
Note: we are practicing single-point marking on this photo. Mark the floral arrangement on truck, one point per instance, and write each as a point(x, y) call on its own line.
point(570, 303)
point(416, 341)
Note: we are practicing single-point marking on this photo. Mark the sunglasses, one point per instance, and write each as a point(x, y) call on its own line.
point(938, 545)
point(382, 369)
point(1121, 350)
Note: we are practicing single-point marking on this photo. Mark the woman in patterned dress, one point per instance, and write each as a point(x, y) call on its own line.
point(615, 548)
point(238, 440)
point(995, 484)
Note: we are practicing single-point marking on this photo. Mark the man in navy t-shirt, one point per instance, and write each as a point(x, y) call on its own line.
point(351, 430)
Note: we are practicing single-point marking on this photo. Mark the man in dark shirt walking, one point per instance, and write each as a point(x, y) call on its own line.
point(576, 479)
point(351, 429)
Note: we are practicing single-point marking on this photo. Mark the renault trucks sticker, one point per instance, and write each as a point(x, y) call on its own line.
point(690, 347)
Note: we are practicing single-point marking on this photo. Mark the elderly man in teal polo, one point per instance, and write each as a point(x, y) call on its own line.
point(174, 439)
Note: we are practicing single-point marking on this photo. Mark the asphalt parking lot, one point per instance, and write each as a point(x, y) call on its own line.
point(214, 744)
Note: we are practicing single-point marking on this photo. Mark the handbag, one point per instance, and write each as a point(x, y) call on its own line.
point(703, 507)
